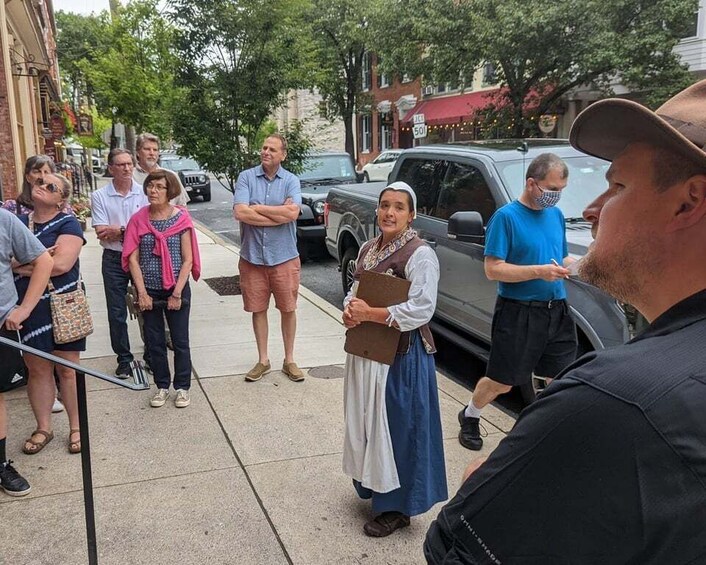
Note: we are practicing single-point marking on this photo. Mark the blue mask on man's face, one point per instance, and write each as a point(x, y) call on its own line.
point(548, 198)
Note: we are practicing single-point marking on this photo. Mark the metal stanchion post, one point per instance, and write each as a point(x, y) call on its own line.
point(86, 469)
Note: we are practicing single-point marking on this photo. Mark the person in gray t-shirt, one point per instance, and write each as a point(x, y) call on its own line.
point(17, 242)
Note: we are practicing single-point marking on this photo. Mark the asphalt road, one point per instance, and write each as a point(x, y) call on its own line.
point(320, 274)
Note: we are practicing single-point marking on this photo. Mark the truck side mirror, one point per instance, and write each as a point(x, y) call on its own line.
point(466, 227)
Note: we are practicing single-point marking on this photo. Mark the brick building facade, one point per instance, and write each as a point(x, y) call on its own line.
point(29, 86)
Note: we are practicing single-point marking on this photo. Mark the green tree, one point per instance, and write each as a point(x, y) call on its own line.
point(134, 74)
point(237, 61)
point(541, 49)
point(341, 32)
point(79, 41)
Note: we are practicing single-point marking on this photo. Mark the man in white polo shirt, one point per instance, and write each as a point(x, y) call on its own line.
point(111, 208)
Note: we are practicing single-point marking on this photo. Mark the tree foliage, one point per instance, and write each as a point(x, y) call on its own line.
point(541, 49)
point(237, 61)
point(80, 39)
point(341, 31)
point(134, 74)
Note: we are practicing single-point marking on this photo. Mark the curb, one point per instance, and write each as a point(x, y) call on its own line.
point(309, 295)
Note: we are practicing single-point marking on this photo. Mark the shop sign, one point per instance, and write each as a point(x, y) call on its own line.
point(85, 124)
point(57, 126)
point(547, 123)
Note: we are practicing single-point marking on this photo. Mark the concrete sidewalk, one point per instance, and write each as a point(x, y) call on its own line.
point(249, 473)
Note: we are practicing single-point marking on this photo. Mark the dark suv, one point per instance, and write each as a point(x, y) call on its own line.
point(195, 181)
point(321, 170)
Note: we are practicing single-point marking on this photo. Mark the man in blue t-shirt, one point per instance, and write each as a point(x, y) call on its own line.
point(527, 253)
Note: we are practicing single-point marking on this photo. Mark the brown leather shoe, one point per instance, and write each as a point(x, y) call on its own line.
point(293, 372)
point(255, 374)
point(386, 523)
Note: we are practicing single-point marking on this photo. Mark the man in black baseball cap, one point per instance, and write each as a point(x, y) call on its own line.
point(609, 465)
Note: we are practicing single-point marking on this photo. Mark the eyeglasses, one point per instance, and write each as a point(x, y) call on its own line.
point(153, 186)
point(122, 164)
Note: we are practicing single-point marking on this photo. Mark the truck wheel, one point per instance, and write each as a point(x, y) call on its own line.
point(348, 268)
point(366, 177)
point(206, 195)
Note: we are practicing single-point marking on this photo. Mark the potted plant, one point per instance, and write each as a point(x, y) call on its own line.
point(81, 207)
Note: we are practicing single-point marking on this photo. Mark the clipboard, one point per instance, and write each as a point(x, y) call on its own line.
point(370, 340)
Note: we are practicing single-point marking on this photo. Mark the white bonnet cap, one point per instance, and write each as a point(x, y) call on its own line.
point(404, 187)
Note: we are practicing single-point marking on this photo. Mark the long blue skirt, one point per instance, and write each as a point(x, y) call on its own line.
point(412, 400)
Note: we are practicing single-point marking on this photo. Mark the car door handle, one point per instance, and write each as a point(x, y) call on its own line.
point(430, 242)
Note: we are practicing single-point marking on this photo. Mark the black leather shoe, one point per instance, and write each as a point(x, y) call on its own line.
point(11, 481)
point(469, 434)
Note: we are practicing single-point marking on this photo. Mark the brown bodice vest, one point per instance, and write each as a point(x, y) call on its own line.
point(395, 264)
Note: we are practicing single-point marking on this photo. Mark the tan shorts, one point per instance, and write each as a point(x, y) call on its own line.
point(257, 282)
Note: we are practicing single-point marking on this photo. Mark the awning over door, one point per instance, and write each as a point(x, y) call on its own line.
point(450, 109)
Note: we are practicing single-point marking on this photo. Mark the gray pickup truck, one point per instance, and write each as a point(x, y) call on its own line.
point(321, 170)
point(452, 180)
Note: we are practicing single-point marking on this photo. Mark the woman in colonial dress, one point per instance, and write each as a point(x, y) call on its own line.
point(393, 446)
point(62, 235)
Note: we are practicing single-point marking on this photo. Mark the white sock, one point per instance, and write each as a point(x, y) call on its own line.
point(472, 411)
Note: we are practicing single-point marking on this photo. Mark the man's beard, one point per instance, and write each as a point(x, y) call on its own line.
point(622, 274)
point(150, 164)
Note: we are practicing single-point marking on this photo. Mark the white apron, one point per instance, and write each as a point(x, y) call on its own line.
point(367, 451)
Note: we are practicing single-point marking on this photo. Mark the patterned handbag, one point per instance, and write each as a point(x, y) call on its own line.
point(70, 315)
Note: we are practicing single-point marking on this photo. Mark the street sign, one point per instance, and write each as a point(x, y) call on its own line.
point(419, 131)
point(418, 119)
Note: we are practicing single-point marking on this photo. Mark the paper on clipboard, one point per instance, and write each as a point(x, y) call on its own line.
point(371, 340)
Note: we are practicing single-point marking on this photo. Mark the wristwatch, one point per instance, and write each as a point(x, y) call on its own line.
point(122, 233)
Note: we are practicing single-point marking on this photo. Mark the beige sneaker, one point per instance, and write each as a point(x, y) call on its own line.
point(255, 374)
point(159, 398)
point(182, 399)
point(293, 372)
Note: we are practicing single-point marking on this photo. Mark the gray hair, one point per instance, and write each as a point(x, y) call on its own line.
point(541, 165)
point(144, 137)
point(119, 151)
point(282, 139)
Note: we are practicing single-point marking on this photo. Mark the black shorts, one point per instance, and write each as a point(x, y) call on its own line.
point(534, 337)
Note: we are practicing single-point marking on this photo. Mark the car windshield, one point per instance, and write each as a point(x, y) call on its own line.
point(180, 164)
point(586, 182)
point(327, 166)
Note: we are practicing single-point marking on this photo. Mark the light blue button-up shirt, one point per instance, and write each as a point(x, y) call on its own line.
point(260, 245)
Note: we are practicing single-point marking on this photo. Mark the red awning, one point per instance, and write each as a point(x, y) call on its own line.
point(451, 109)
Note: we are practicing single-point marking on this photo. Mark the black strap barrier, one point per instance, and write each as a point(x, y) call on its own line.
point(140, 382)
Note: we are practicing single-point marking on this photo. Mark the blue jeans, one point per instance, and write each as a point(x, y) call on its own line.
point(178, 321)
point(115, 282)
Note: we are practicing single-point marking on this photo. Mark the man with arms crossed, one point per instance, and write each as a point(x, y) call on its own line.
point(526, 251)
point(111, 208)
point(266, 203)
point(17, 242)
point(609, 465)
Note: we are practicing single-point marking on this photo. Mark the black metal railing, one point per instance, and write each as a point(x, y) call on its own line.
point(139, 382)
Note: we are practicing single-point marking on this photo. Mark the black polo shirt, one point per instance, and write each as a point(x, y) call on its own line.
point(607, 466)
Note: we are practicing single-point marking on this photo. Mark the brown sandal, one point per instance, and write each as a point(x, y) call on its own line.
point(386, 523)
point(74, 446)
point(31, 447)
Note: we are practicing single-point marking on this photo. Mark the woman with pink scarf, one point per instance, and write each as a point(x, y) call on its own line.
point(160, 251)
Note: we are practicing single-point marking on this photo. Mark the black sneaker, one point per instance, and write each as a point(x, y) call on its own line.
point(124, 371)
point(11, 481)
point(469, 434)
